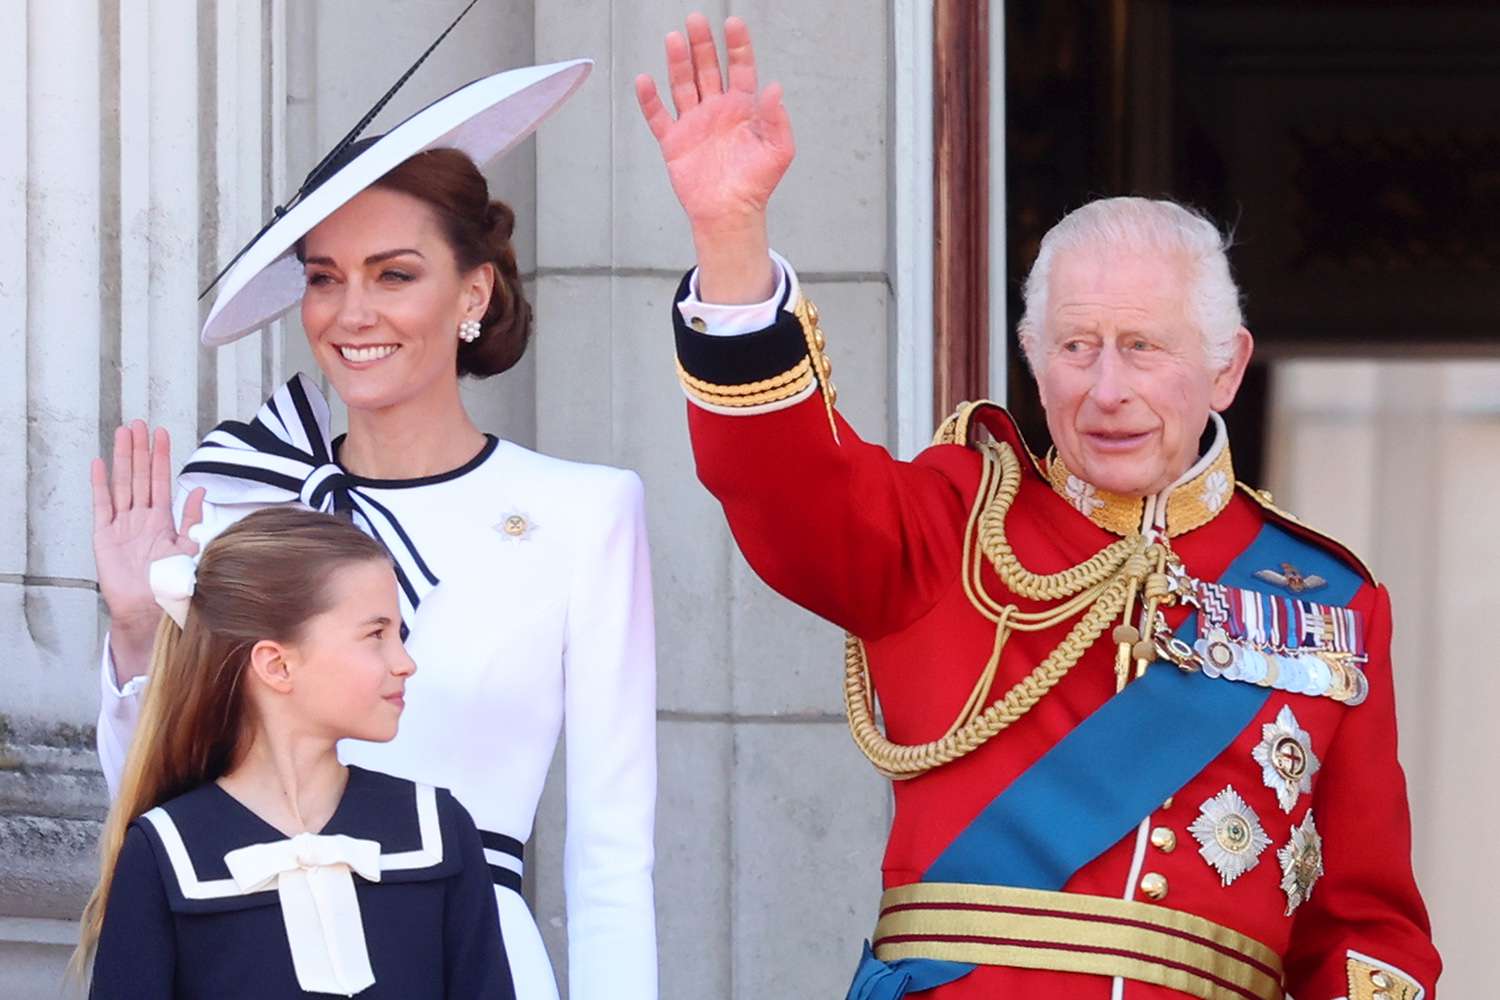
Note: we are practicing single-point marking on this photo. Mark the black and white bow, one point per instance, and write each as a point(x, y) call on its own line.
point(285, 453)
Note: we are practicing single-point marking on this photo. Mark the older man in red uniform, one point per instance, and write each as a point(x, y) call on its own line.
point(1140, 723)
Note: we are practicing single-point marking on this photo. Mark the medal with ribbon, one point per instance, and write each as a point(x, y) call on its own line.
point(1292, 645)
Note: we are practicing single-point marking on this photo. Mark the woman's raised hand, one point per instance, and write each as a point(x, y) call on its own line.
point(133, 528)
point(725, 152)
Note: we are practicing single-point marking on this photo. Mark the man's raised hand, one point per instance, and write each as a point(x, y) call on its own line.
point(725, 152)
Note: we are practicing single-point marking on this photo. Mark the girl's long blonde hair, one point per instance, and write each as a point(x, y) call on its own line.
point(263, 578)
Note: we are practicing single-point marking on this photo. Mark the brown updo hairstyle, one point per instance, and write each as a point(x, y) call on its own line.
point(478, 231)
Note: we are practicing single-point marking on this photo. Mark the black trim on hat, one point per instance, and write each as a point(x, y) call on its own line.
point(343, 152)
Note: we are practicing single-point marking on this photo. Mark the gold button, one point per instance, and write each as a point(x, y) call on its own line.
point(515, 525)
point(698, 324)
point(1154, 885)
point(1379, 979)
point(1164, 840)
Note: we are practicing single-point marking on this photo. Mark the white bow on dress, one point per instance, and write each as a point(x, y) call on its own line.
point(313, 877)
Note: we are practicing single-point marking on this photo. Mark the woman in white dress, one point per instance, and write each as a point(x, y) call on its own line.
point(525, 579)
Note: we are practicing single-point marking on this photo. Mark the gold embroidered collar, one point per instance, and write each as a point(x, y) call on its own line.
point(1191, 502)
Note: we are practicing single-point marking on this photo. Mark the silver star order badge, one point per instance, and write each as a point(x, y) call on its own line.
point(1301, 863)
point(1229, 835)
point(1286, 758)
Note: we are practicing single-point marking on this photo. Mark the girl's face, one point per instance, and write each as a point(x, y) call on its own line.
point(347, 673)
point(384, 300)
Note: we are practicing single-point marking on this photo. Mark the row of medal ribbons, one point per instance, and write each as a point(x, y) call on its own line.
point(1296, 646)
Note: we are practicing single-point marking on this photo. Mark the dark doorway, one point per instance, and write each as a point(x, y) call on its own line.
point(1353, 147)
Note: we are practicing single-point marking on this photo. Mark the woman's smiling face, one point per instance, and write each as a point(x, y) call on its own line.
point(384, 299)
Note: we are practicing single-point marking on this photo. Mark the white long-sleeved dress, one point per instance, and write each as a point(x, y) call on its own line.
point(541, 624)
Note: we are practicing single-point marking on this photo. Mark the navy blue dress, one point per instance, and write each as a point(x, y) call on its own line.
point(176, 926)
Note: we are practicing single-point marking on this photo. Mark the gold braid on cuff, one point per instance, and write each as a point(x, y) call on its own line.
point(814, 369)
point(766, 391)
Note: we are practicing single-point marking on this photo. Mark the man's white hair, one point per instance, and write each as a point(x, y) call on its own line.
point(1141, 225)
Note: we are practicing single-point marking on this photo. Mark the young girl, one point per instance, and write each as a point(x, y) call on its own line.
point(241, 859)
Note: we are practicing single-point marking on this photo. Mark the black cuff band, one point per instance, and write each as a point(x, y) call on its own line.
point(743, 359)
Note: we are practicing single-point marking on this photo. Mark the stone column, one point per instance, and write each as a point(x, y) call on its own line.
point(48, 616)
point(767, 868)
point(51, 185)
point(134, 155)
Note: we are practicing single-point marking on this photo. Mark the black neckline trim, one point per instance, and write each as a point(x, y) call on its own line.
point(491, 442)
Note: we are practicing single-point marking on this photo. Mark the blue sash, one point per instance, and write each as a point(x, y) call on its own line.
point(1112, 770)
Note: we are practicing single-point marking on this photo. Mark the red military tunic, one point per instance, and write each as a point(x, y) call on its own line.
point(877, 546)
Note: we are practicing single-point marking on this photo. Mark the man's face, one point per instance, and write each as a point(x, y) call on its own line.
point(1126, 382)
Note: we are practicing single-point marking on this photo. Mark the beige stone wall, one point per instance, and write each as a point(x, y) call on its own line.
point(1400, 460)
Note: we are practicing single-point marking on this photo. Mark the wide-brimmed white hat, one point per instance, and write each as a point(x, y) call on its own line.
point(483, 119)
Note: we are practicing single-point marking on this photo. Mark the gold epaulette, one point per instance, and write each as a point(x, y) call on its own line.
point(955, 429)
point(1262, 499)
point(817, 353)
point(958, 428)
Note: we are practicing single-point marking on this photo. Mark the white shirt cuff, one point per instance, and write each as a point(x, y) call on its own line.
point(718, 320)
point(109, 683)
point(119, 710)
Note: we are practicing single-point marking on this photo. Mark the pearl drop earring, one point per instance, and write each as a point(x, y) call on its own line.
point(468, 331)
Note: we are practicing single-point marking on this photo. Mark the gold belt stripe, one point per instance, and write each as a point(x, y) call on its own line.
point(1069, 932)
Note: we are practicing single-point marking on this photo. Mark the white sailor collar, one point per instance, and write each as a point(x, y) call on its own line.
point(191, 835)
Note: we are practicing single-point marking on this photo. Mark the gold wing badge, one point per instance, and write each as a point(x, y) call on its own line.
point(1291, 578)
